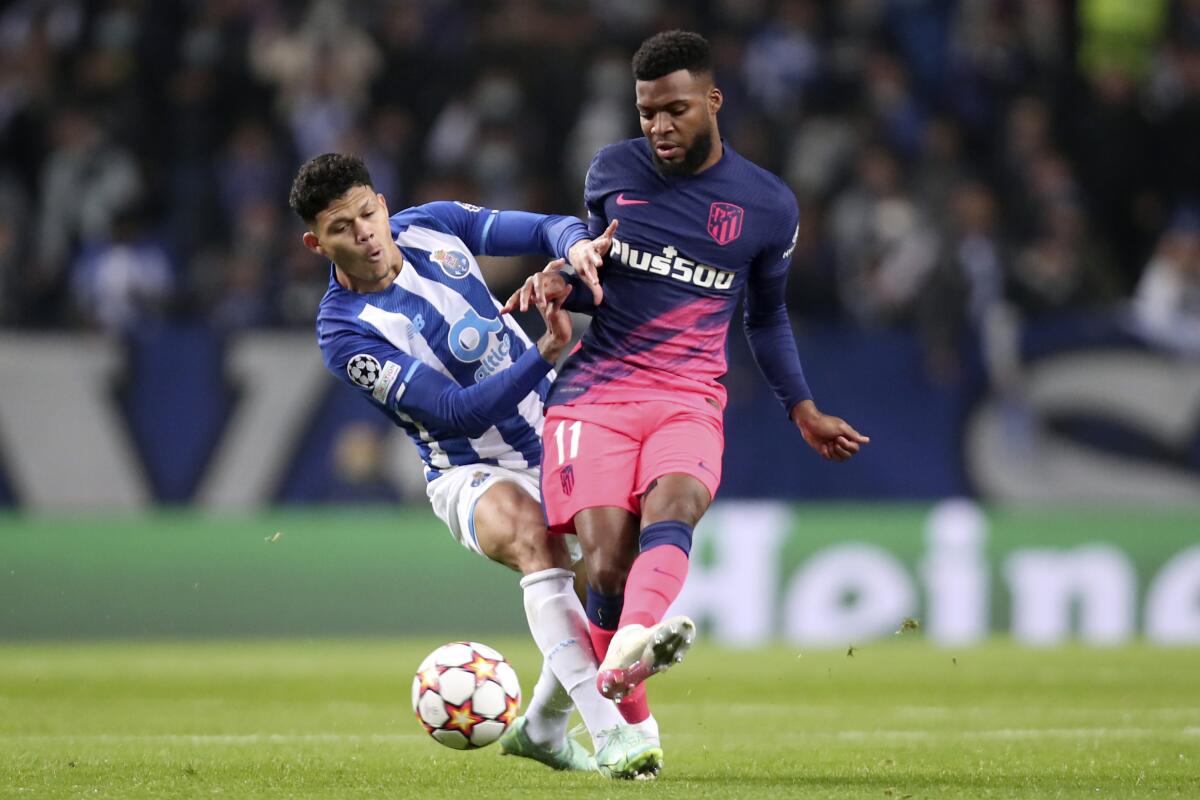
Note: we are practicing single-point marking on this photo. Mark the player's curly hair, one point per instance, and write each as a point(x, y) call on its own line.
point(323, 179)
point(666, 52)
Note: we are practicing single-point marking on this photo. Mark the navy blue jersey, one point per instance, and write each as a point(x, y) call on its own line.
point(432, 350)
point(686, 249)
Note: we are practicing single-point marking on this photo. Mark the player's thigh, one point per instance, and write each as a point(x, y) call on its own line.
point(680, 469)
point(457, 494)
point(589, 460)
point(510, 528)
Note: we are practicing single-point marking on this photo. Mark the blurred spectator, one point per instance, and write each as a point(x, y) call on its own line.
point(886, 248)
point(124, 280)
point(242, 291)
point(783, 59)
point(998, 154)
point(304, 282)
point(812, 288)
point(967, 287)
point(606, 116)
point(941, 168)
point(322, 66)
point(1167, 303)
point(896, 112)
point(250, 171)
point(1062, 270)
point(85, 181)
point(385, 146)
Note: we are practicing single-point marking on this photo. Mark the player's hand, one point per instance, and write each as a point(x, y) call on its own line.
point(558, 329)
point(543, 287)
point(830, 436)
point(588, 256)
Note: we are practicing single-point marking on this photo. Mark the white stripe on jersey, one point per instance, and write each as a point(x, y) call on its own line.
point(531, 409)
point(398, 329)
point(430, 240)
point(437, 456)
point(395, 327)
point(453, 306)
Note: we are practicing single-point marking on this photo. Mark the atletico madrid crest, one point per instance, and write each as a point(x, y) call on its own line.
point(725, 222)
point(567, 476)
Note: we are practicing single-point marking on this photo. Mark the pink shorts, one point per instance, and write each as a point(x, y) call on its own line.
point(608, 454)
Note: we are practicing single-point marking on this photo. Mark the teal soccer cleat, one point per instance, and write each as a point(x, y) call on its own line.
point(571, 757)
point(629, 753)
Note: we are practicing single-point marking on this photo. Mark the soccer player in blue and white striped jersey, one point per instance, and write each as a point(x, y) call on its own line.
point(409, 322)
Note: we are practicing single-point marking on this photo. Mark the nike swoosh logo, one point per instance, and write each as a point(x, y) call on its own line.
point(624, 201)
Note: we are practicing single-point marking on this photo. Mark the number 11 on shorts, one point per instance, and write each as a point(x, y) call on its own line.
point(558, 439)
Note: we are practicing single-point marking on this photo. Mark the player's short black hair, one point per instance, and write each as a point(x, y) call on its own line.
point(669, 51)
point(323, 179)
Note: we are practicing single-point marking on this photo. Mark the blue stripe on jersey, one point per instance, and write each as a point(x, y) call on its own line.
point(487, 226)
point(459, 451)
point(519, 435)
point(515, 430)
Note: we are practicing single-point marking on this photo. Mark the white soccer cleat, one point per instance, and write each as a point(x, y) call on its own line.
point(637, 652)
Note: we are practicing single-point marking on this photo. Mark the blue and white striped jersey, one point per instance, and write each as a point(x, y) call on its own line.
point(437, 330)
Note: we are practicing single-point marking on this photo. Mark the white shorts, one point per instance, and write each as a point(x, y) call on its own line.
point(454, 495)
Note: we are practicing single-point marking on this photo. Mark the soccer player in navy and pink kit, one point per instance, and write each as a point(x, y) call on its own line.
point(633, 435)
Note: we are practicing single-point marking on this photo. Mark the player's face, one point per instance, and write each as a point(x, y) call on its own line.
point(679, 118)
point(354, 234)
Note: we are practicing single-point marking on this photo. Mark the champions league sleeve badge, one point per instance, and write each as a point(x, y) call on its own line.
point(363, 369)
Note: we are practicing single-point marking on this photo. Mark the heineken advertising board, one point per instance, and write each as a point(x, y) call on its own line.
point(811, 575)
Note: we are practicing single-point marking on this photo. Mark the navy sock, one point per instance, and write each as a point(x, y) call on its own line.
point(604, 610)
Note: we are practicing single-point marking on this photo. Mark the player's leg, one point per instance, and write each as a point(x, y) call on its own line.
point(671, 507)
point(678, 475)
point(456, 496)
point(609, 537)
point(510, 528)
point(646, 644)
point(588, 471)
point(589, 466)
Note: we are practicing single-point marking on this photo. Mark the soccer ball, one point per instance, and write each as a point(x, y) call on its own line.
point(465, 695)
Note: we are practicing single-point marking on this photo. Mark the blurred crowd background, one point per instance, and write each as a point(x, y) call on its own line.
point(958, 164)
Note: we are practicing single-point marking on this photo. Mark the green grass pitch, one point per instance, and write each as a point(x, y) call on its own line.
point(322, 718)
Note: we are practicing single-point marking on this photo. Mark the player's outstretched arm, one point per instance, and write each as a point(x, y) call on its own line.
point(422, 392)
point(587, 256)
point(830, 436)
point(555, 282)
point(558, 329)
point(547, 286)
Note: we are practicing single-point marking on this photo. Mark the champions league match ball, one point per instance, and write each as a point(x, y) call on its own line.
point(465, 695)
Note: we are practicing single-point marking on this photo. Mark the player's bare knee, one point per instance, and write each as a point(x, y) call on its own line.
point(675, 497)
point(607, 576)
point(534, 549)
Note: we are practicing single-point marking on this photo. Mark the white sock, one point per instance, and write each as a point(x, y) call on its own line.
point(648, 726)
point(548, 710)
point(559, 627)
